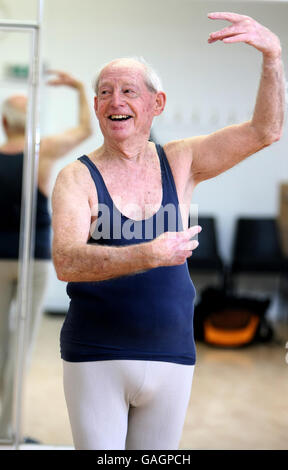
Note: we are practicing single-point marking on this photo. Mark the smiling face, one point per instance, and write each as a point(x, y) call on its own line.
point(124, 105)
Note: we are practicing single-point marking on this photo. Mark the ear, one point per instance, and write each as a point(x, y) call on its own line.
point(160, 102)
point(4, 122)
point(96, 105)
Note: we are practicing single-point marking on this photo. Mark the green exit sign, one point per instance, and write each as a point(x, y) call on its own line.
point(17, 71)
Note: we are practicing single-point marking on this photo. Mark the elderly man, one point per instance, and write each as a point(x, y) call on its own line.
point(127, 341)
point(11, 162)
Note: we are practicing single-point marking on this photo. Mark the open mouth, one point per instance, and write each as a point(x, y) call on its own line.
point(119, 117)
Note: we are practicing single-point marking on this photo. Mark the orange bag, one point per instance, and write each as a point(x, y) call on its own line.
point(229, 321)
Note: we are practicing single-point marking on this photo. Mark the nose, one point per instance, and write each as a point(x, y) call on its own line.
point(116, 98)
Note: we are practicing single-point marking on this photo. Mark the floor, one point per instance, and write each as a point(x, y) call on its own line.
point(238, 398)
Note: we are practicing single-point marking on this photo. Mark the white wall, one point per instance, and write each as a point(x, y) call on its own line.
point(208, 87)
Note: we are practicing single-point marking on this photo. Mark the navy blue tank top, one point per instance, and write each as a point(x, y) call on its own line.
point(11, 167)
point(144, 316)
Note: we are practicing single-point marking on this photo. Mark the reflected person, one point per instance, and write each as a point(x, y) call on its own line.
point(11, 164)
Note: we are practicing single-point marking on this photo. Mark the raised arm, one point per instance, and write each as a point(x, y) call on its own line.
point(56, 146)
point(77, 261)
point(215, 153)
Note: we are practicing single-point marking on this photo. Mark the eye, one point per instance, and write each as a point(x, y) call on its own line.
point(104, 92)
point(129, 91)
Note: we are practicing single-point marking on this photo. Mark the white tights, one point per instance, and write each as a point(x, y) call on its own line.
point(127, 404)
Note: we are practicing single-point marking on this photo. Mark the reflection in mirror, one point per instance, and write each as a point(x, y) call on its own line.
point(14, 71)
point(14, 110)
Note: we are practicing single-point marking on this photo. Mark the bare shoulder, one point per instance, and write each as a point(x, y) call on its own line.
point(71, 205)
point(74, 188)
point(182, 148)
point(180, 154)
point(75, 176)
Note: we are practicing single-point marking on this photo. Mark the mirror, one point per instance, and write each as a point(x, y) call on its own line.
point(14, 66)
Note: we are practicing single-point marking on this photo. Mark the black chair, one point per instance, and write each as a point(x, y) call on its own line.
point(206, 257)
point(257, 246)
point(256, 250)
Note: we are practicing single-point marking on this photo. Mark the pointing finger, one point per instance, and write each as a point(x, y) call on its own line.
point(238, 38)
point(192, 245)
point(192, 231)
point(228, 31)
point(225, 15)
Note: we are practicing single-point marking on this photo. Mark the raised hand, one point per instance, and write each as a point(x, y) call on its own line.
point(246, 29)
point(63, 78)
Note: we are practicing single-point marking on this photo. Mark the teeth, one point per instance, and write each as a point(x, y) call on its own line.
point(119, 116)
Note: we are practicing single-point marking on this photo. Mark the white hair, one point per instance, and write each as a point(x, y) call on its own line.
point(16, 118)
point(151, 78)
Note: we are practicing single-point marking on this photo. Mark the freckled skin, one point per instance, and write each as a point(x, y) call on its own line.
point(114, 97)
point(128, 162)
point(123, 91)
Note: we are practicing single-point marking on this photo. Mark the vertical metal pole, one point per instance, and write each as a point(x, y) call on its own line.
point(27, 225)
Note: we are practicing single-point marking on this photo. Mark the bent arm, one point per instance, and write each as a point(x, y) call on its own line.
point(55, 146)
point(77, 261)
point(221, 150)
point(268, 116)
point(73, 258)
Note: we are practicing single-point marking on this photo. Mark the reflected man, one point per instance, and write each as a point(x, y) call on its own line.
point(11, 164)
